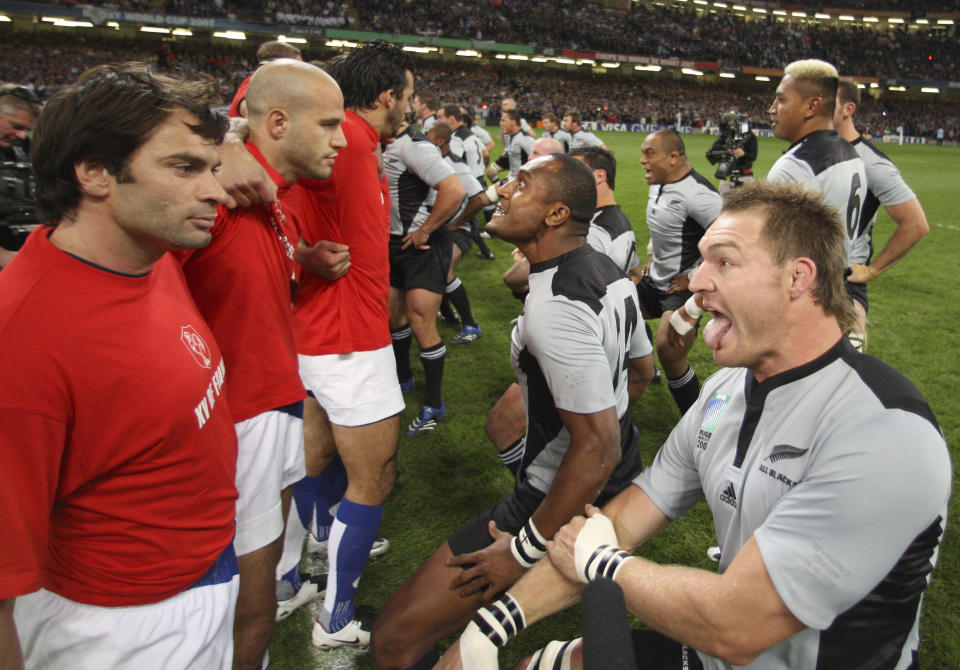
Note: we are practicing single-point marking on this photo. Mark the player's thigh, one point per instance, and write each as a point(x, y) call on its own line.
point(422, 307)
point(656, 651)
point(369, 455)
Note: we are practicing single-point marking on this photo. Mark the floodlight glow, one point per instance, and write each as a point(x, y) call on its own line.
point(612, 66)
point(288, 40)
point(154, 29)
point(230, 35)
point(728, 75)
point(929, 89)
point(760, 77)
point(691, 71)
point(648, 68)
point(471, 53)
point(518, 57)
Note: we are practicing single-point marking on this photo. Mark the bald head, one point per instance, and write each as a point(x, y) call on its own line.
point(287, 84)
point(544, 147)
point(295, 110)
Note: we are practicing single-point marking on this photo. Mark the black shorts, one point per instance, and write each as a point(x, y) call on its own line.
point(655, 302)
point(656, 651)
point(857, 291)
point(510, 513)
point(412, 268)
point(463, 239)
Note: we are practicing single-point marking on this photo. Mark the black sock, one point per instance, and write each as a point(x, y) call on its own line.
point(457, 294)
point(432, 360)
point(427, 661)
point(512, 456)
point(446, 310)
point(685, 389)
point(401, 351)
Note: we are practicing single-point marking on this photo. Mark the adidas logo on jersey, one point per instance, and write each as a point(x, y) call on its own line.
point(729, 495)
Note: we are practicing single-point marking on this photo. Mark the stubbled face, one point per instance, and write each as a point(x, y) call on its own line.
point(745, 292)
point(15, 126)
point(550, 125)
point(524, 203)
point(568, 124)
point(656, 161)
point(316, 134)
point(397, 114)
point(168, 199)
point(788, 111)
point(507, 125)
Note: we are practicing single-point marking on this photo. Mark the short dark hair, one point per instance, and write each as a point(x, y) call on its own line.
point(848, 91)
point(276, 49)
point(798, 223)
point(513, 114)
point(572, 183)
point(454, 111)
point(109, 113)
point(671, 141)
point(574, 115)
point(368, 71)
point(599, 158)
point(441, 131)
point(15, 98)
point(550, 116)
point(427, 99)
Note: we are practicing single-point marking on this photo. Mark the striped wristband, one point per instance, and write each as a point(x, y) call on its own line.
point(500, 621)
point(605, 561)
point(529, 546)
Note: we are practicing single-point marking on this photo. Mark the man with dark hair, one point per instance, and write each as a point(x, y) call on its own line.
point(681, 206)
point(552, 131)
point(241, 283)
point(517, 146)
point(342, 326)
point(424, 107)
point(580, 322)
point(578, 136)
point(818, 158)
point(510, 104)
point(19, 108)
point(885, 187)
point(266, 52)
point(795, 446)
point(424, 194)
point(736, 150)
point(118, 452)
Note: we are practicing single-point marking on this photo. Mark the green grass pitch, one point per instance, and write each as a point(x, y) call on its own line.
point(446, 477)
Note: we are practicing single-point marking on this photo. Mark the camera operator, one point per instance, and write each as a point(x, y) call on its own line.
point(735, 150)
point(19, 109)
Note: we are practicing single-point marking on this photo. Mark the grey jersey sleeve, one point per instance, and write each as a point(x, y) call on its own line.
point(482, 134)
point(821, 543)
point(787, 169)
point(704, 206)
point(565, 338)
point(424, 160)
point(885, 181)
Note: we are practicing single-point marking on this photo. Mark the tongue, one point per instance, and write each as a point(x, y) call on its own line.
point(714, 331)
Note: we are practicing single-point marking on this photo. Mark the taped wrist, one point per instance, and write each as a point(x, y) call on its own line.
point(605, 561)
point(502, 620)
point(692, 309)
point(529, 546)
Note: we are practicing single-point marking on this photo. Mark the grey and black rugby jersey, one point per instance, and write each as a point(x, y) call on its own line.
point(427, 123)
point(561, 136)
point(583, 138)
point(470, 185)
point(611, 234)
point(678, 213)
point(839, 470)
point(466, 145)
point(413, 166)
point(516, 154)
point(885, 187)
point(825, 161)
point(481, 134)
point(579, 326)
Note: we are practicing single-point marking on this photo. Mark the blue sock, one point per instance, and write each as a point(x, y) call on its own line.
point(314, 496)
point(353, 533)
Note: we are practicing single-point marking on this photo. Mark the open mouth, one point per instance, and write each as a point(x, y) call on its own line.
point(716, 329)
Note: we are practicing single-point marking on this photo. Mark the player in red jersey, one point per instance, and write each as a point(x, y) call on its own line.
point(118, 449)
point(241, 283)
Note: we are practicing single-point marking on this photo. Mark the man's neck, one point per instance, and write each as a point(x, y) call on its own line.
point(847, 130)
point(375, 117)
point(806, 339)
point(275, 156)
point(605, 197)
point(99, 240)
point(812, 126)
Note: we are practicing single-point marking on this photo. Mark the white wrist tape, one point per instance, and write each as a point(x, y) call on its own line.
point(597, 533)
point(492, 193)
point(548, 657)
point(606, 562)
point(500, 621)
point(529, 546)
point(692, 309)
point(477, 652)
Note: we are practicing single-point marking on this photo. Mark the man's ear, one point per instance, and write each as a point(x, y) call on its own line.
point(278, 123)
point(557, 214)
point(387, 99)
point(803, 276)
point(93, 178)
point(814, 105)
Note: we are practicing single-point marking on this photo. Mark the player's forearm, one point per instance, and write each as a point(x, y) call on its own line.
point(640, 372)
point(449, 197)
point(912, 227)
point(474, 205)
point(590, 459)
point(11, 658)
point(543, 591)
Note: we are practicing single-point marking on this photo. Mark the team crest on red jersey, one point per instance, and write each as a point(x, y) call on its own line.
point(196, 346)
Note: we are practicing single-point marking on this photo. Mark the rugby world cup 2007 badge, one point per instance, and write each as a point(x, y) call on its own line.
point(711, 418)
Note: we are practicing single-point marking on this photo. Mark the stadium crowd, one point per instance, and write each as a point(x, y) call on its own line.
point(47, 63)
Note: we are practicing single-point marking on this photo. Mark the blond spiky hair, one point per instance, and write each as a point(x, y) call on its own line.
point(814, 77)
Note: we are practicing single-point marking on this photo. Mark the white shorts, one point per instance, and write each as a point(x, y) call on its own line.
point(269, 459)
point(192, 630)
point(355, 389)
